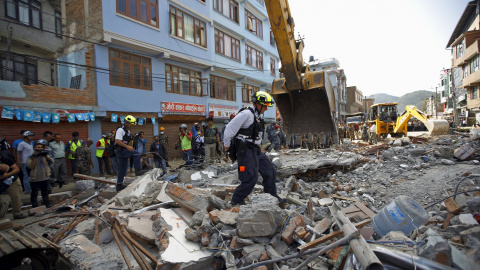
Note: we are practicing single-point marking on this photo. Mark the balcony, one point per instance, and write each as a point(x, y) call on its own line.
point(470, 52)
point(471, 79)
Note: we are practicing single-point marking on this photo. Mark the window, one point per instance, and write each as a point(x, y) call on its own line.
point(28, 12)
point(272, 38)
point(141, 10)
point(19, 69)
point(247, 91)
point(187, 27)
point(75, 82)
point(465, 71)
point(130, 70)
point(227, 45)
point(256, 24)
point(474, 63)
point(180, 80)
point(474, 92)
point(58, 24)
point(272, 67)
point(229, 8)
point(254, 58)
point(461, 49)
point(222, 88)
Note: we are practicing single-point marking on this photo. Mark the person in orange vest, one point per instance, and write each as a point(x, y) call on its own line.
point(102, 156)
point(71, 147)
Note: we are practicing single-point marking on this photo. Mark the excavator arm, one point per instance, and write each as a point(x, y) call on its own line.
point(305, 99)
point(435, 127)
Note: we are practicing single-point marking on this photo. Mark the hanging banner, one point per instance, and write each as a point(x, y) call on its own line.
point(79, 116)
point(86, 117)
point(71, 117)
point(122, 118)
point(46, 117)
point(140, 121)
point(19, 114)
point(7, 112)
point(92, 116)
point(221, 111)
point(28, 116)
point(173, 108)
point(114, 118)
point(154, 120)
point(37, 117)
point(55, 118)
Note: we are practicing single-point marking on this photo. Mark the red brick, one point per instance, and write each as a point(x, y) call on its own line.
point(175, 190)
point(205, 240)
point(214, 216)
point(187, 196)
point(6, 224)
point(36, 210)
point(287, 234)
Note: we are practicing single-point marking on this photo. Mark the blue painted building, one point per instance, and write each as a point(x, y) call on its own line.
point(177, 61)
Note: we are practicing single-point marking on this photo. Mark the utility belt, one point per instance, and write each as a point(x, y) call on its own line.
point(239, 146)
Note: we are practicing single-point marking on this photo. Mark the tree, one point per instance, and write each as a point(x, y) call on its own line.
point(423, 106)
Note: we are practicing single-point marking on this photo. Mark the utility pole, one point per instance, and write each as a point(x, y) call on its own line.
point(9, 41)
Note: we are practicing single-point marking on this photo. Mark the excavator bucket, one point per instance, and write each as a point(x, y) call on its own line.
point(437, 127)
point(306, 111)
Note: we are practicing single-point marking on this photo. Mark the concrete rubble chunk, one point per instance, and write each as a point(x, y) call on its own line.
point(253, 253)
point(471, 237)
point(448, 162)
point(256, 221)
point(86, 255)
point(436, 249)
point(228, 217)
point(187, 199)
point(474, 204)
point(140, 227)
point(464, 152)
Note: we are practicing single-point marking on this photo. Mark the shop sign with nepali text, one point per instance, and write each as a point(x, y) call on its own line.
point(172, 108)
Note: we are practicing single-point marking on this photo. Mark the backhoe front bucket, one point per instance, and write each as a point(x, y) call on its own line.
point(306, 111)
point(437, 127)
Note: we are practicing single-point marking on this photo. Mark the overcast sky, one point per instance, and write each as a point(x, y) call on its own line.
point(384, 46)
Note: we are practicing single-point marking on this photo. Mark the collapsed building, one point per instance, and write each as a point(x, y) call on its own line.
point(404, 203)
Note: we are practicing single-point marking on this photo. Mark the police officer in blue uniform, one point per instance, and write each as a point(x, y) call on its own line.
point(242, 139)
point(124, 150)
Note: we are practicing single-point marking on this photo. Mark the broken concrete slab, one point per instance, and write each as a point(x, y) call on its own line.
point(140, 227)
point(86, 255)
point(253, 253)
point(185, 198)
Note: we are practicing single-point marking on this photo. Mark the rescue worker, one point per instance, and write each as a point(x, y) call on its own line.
point(84, 158)
point(212, 141)
point(71, 147)
point(279, 139)
point(124, 150)
point(271, 131)
point(365, 132)
point(158, 149)
point(101, 154)
point(185, 142)
point(164, 139)
point(351, 132)
point(246, 131)
point(373, 139)
point(340, 134)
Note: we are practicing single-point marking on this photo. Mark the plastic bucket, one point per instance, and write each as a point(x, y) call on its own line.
point(403, 214)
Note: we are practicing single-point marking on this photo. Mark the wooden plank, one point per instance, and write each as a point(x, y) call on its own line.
point(343, 198)
point(350, 209)
point(452, 206)
point(330, 236)
point(447, 221)
point(365, 209)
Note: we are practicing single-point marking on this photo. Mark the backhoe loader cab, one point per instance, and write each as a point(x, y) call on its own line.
point(385, 117)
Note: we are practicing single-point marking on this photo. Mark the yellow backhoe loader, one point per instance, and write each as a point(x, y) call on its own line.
point(305, 98)
point(388, 121)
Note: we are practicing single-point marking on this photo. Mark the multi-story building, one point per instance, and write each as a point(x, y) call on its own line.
point(367, 103)
point(354, 100)
point(339, 82)
point(172, 62)
point(34, 94)
point(465, 46)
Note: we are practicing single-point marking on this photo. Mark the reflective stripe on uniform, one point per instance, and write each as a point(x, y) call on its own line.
point(101, 151)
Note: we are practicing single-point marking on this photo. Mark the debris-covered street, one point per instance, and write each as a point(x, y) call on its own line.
point(184, 220)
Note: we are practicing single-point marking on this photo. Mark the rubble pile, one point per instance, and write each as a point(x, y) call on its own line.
point(333, 196)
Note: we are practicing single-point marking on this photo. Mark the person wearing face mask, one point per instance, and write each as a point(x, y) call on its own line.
point(163, 138)
point(71, 148)
point(158, 149)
